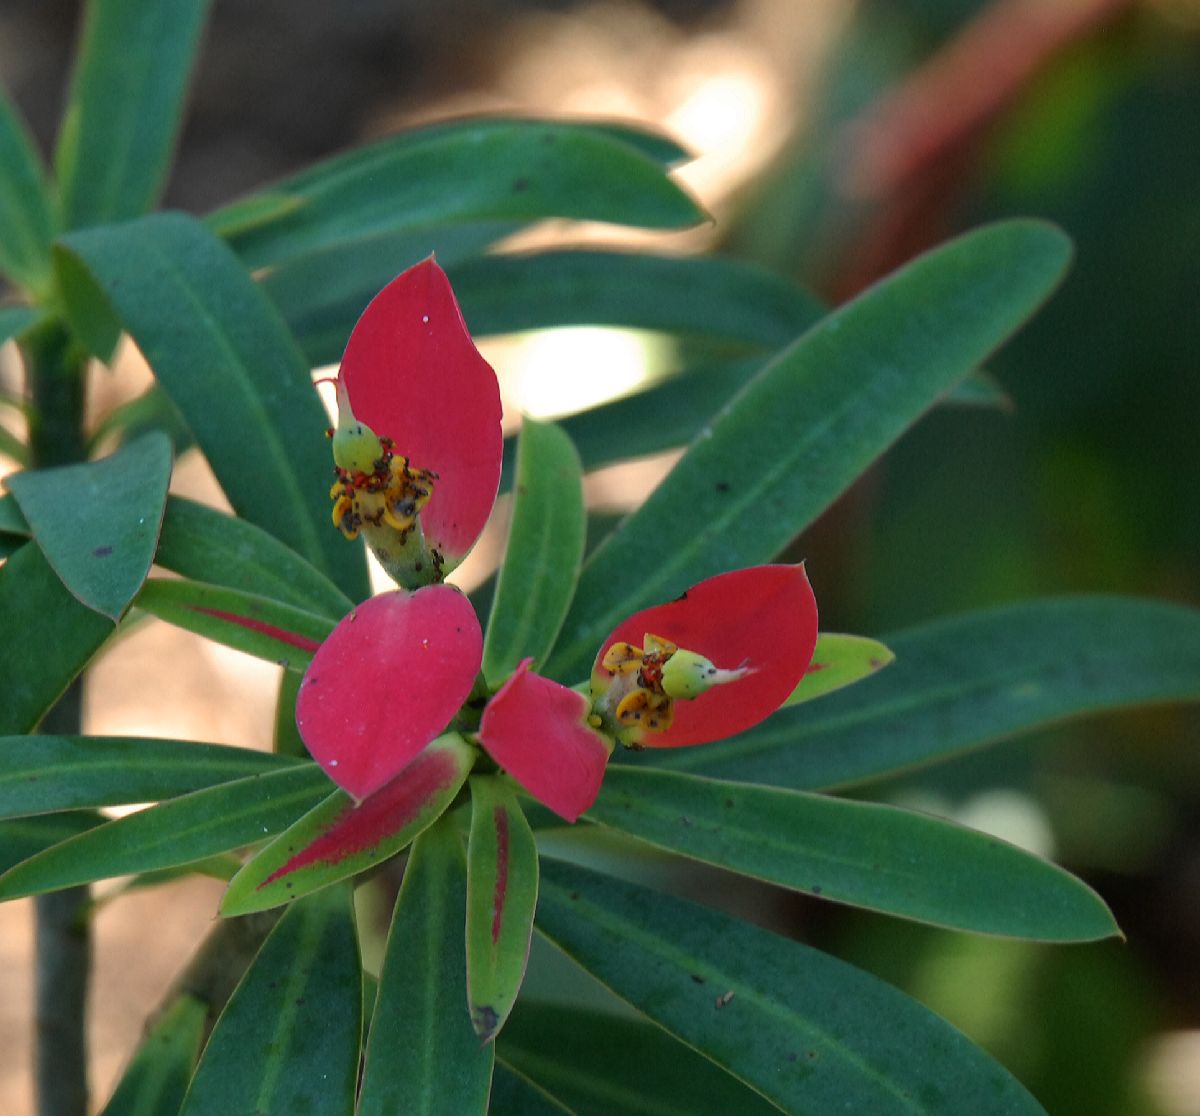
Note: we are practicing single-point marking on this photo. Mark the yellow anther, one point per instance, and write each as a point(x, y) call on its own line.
point(645, 710)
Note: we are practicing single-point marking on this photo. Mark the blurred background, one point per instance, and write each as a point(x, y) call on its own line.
point(834, 140)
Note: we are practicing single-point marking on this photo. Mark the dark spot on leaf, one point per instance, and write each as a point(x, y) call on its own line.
point(102, 552)
point(729, 804)
point(686, 822)
point(817, 889)
point(722, 486)
point(486, 1021)
point(574, 897)
point(682, 597)
point(697, 978)
point(792, 1057)
point(877, 664)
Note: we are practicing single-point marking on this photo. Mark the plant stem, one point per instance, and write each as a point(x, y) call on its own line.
point(54, 369)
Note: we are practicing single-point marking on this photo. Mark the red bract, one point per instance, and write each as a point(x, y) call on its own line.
point(388, 679)
point(537, 731)
point(764, 618)
point(740, 642)
point(413, 375)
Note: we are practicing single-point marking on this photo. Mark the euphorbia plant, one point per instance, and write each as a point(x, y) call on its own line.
point(406, 698)
point(400, 668)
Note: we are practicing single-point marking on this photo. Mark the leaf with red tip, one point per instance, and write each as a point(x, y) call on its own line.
point(839, 660)
point(537, 731)
point(502, 880)
point(260, 626)
point(414, 375)
point(386, 682)
point(337, 838)
point(765, 617)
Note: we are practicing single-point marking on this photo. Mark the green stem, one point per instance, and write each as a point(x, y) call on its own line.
point(54, 368)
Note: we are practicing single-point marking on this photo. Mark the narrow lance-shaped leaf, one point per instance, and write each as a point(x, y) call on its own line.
point(178, 831)
point(288, 1040)
point(839, 661)
point(220, 349)
point(338, 839)
point(699, 296)
point(607, 1065)
point(21, 838)
point(811, 1034)
point(125, 105)
point(970, 680)
point(150, 411)
point(472, 170)
point(207, 545)
point(545, 547)
point(516, 1095)
point(812, 421)
point(39, 774)
point(26, 208)
point(870, 855)
point(46, 638)
point(158, 1076)
point(502, 873)
point(98, 522)
point(257, 625)
point(423, 1057)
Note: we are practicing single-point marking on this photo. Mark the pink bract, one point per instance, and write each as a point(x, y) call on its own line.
point(537, 731)
point(413, 374)
point(388, 679)
point(765, 616)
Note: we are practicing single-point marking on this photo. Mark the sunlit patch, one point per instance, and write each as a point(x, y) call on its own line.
point(558, 371)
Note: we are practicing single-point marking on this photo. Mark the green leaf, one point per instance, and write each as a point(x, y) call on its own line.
point(125, 105)
point(46, 638)
point(158, 1076)
point(839, 660)
point(322, 294)
point(178, 831)
point(22, 838)
point(701, 296)
point(545, 547)
point(15, 320)
point(467, 171)
point(103, 545)
point(288, 1041)
point(513, 1094)
point(26, 207)
point(981, 389)
point(801, 431)
point(811, 1034)
point(39, 774)
point(337, 839)
point(220, 349)
point(423, 1057)
point(605, 1065)
point(12, 446)
point(11, 519)
point(152, 410)
point(972, 679)
point(207, 545)
point(874, 856)
point(287, 740)
point(502, 875)
point(279, 633)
